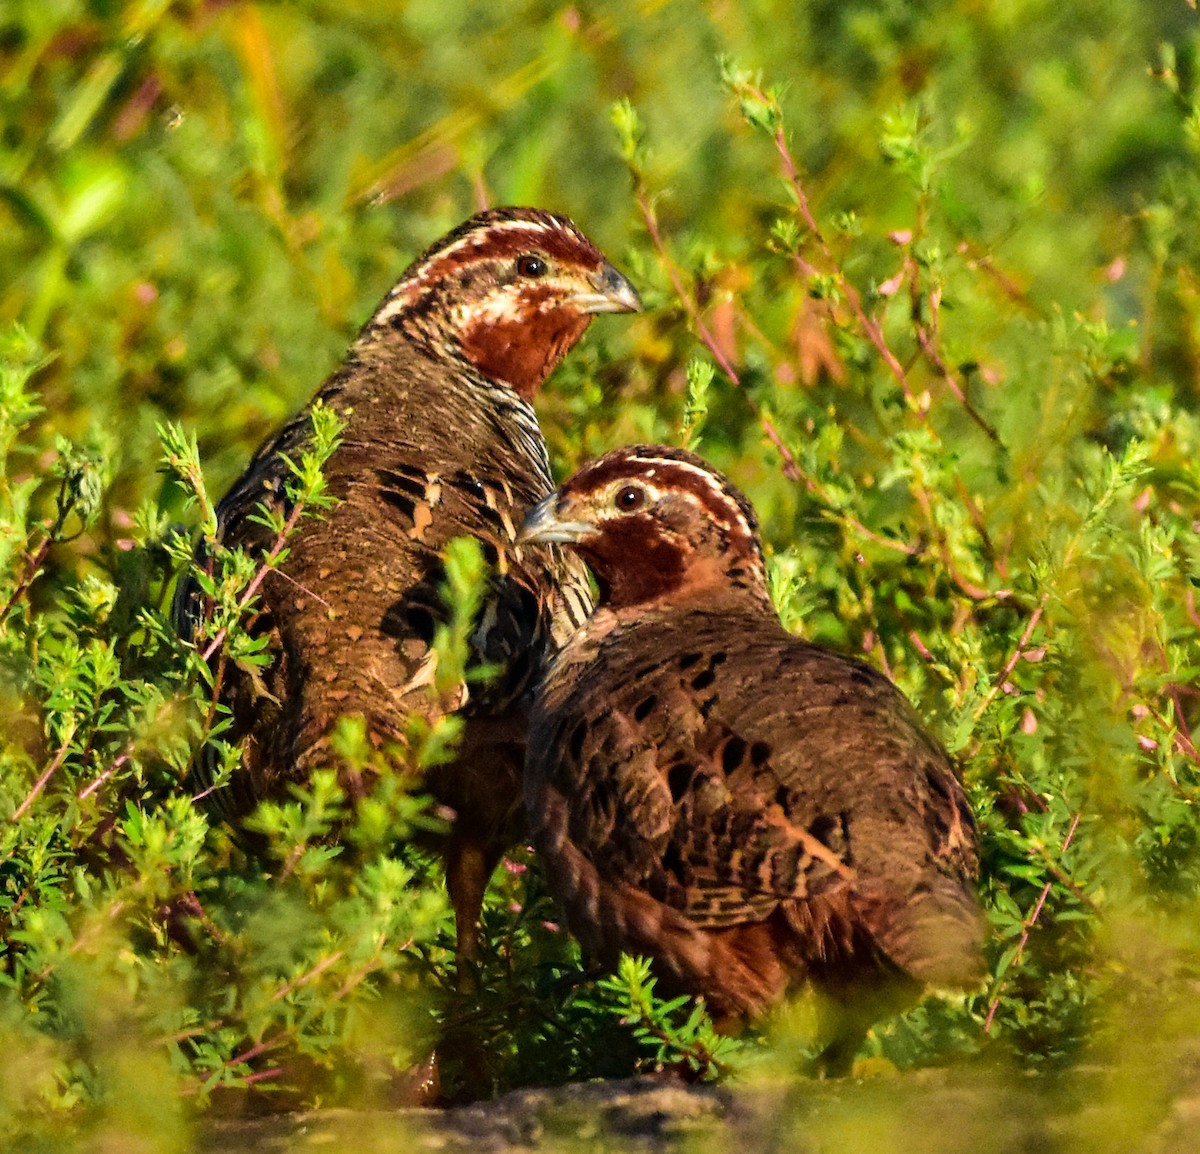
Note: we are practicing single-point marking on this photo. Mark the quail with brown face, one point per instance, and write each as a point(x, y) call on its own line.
point(440, 440)
point(751, 811)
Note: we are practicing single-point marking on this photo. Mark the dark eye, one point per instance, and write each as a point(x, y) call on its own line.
point(629, 498)
point(531, 266)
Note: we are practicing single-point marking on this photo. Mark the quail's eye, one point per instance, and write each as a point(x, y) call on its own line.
point(630, 497)
point(530, 265)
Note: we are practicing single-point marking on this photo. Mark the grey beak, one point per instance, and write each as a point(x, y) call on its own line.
point(543, 527)
point(614, 293)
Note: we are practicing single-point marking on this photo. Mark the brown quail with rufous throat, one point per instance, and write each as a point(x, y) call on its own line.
point(440, 440)
point(751, 811)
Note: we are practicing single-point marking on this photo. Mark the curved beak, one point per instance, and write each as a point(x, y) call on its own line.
point(543, 526)
point(612, 293)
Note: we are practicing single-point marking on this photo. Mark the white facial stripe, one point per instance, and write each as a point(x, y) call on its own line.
point(705, 475)
point(536, 229)
point(402, 295)
point(500, 303)
point(714, 485)
point(682, 466)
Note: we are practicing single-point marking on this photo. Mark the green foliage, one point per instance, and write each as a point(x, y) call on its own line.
point(677, 1032)
point(920, 278)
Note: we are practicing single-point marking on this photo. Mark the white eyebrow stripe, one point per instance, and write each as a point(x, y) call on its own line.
point(473, 239)
point(723, 496)
point(687, 467)
point(675, 463)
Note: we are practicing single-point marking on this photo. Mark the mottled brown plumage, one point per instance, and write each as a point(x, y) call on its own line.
point(750, 810)
point(440, 441)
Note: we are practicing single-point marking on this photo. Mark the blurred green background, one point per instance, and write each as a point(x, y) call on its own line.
point(202, 201)
point(967, 407)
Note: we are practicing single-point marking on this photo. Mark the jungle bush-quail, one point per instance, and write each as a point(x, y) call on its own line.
point(440, 440)
point(749, 810)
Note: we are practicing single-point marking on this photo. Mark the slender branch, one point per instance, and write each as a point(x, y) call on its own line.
point(33, 562)
point(1011, 664)
point(252, 1052)
point(248, 593)
point(922, 649)
point(109, 770)
point(880, 650)
point(1189, 602)
point(41, 782)
point(928, 336)
point(189, 903)
point(929, 348)
point(309, 975)
point(874, 330)
point(871, 327)
point(792, 469)
point(1182, 737)
point(303, 589)
point(986, 262)
point(999, 562)
point(969, 588)
point(214, 700)
point(1026, 927)
point(1173, 691)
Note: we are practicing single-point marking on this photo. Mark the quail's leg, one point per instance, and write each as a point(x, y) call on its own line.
point(469, 865)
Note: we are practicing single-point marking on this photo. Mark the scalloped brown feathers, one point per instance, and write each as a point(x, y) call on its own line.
point(752, 811)
point(439, 441)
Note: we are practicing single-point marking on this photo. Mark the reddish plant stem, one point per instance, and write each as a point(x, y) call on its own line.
point(42, 781)
point(1189, 602)
point(969, 588)
point(1061, 876)
point(1026, 927)
point(929, 348)
point(109, 770)
point(1182, 737)
point(920, 646)
point(247, 594)
point(261, 1076)
point(310, 975)
point(189, 903)
point(874, 330)
point(33, 562)
point(292, 860)
point(260, 576)
point(1187, 748)
point(352, 983)
point(791, 467)
point(1000, 563)
point(266, 1045)
point(303, 589)
point(1014, 657)
point(210, 715)
point(1173, 691)
point(1009, 287)
point(869, 326)
point(928, 339)
point(884, 663)
point(263, 1047)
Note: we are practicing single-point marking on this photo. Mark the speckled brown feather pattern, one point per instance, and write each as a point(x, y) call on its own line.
point(438, 442)
point(751, 810)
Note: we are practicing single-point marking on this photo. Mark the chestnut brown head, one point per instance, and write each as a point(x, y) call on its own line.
point(510, 291)
point(655, 524)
